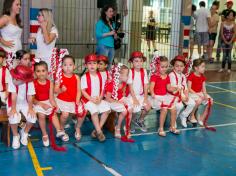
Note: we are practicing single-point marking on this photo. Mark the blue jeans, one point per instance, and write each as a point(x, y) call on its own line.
point(106, 51)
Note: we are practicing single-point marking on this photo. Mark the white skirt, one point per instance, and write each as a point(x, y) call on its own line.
point(140, 99)
point(120, 107)
point(65, 106)
point(163, 101)
point(200, 97)
point(39, 109)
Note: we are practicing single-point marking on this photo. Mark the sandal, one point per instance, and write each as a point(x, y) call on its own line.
point(129, 134)
point(45, 141)
point(161, 133)
point(101, 137)
point(61, 134)
point(174, 131)
point(117, 132)
point(94, 134)
point(77, 136)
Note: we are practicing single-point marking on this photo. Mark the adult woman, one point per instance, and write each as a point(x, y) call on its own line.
point(46, 36)
point(105, 34)
point(151, 31)
point(10, 26)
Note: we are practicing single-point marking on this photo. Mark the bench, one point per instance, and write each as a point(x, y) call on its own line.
point(5, 134)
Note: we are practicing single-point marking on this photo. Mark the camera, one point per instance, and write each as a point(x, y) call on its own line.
point(120, 35)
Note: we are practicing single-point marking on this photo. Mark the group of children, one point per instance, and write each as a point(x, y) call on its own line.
point(98, 92)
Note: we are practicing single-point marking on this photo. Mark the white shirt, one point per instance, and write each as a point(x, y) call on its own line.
point(21, 96)
point(11, 32)
point(104, 78)
point(182, 81)
point(7, 77)
point(95, 85)
point(201, 16)
point(137, 82)
point(44, 51)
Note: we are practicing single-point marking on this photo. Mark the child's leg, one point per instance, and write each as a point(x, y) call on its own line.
point(144, 112)
point(103, 119)
point(14, 129)
point(63, 118)
point(120, 119)
point(56, 122)
point(42, 123)
point(162, 118)
point(192, 115)
point(95, 121)
point(172, 117)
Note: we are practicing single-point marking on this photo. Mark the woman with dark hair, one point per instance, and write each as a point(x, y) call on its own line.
point(105, 34)
point(10, 26)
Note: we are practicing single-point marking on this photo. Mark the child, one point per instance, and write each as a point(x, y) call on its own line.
point(22, 90)
point(162, 100)
point(44, 99)
point(102, 67)
point(116, 96)
point(197, 89)
point(179, 82)
point(228, 33)
point(92, 86)
point(4, 78)
point(68, 98)
point(138, 86)
point(23, 58)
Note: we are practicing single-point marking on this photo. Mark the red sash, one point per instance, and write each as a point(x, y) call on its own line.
point(89, 85)
point(3, 78)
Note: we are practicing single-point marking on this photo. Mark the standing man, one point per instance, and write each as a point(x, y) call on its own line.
point(202, 17)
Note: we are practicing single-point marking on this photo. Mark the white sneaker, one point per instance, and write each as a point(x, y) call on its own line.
point(45, 142)
point(220, 70)
point(67, 126)
point(184, 122)
point(200, 123)
point(16, 142)
point(64, 137)
point(229, 71)
point(24, 138)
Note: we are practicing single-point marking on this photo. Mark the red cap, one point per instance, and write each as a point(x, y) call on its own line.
point(178, 58)
point(90, 58)
point(229, 2)
point(2, 52)
point(102, 58)
point(22, 73)
point(137, 54)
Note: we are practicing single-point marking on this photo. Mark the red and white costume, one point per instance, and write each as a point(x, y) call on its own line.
point(94, 86)
point(42, 94)
point(121, 96)
point(66, 101)
point(138, 80)
point(21, 102)
point(180, 81)
point(197, 86)
point(4, 79)
point(162, 98)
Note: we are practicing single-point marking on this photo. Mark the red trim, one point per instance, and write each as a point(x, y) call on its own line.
point(4, 78)
point(34, 28)
point(141, 75)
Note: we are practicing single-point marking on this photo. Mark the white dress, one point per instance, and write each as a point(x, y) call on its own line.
point(11, 32)
point(44, 51)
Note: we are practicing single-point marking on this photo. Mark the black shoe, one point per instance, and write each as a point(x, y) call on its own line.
point(141, 125)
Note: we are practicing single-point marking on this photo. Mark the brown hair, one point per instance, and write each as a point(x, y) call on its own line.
point(198, 62)
point(40, 63)
point(163, 59)
point(124, 67)
point(7, 5)
point(68, 57)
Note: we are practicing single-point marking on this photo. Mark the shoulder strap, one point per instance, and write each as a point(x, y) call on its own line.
point(100, 81)
point(176, 78)
point(3, 78)
point(88, 83)
point(142, 77)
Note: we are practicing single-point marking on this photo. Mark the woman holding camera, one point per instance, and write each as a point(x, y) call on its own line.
point(105, 34)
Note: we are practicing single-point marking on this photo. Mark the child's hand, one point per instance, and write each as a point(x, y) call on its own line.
point(93, 100)
point(145, 101)
point(153, 95)
point(31, 113)
point(135, 102)
point(63, 88)
point(12, 112)
point(45, 106)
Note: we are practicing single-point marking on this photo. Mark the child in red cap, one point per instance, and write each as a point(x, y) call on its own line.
point(178, 81)
point(138, 85)
point(22, 90)
point(4, 77)
point(92, 86)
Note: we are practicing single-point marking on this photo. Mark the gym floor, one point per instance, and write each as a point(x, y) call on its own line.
point(196, 151)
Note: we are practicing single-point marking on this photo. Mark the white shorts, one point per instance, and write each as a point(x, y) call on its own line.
point(163, 101)
point(120, 107)
point(102, 107)
point(23, 108)
point(200, 96)
point(140, 99)
point(65, 106)
point(39, 109)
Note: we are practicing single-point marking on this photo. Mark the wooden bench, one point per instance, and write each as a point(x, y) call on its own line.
point(5, 134)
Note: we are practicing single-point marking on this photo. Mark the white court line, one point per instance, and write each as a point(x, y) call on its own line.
point(217, 82)
point(187, 129)
point(221, 88)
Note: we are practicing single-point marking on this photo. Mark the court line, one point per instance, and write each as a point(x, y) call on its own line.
point(217, 82)
point(221, 88)
point(37, 167)
point(226, 105)
point(219, 91)
point(186, 129)
point(108, 168)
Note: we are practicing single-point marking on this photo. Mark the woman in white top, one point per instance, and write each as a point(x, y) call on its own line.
point(10, 26)
point(46, 36)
